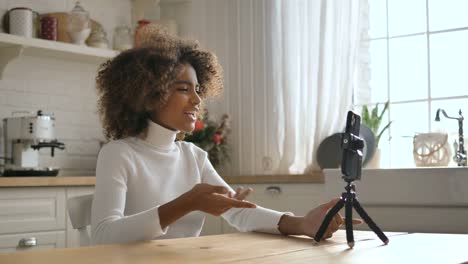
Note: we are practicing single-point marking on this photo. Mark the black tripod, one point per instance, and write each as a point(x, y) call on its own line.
point(349, 198)
point(351, 163)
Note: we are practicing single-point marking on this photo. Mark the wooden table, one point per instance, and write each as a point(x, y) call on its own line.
point(262, 248)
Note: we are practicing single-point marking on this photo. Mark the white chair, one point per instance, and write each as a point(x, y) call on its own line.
point(79, 209)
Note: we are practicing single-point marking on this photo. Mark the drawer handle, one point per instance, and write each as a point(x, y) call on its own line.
point(273, 190)
point(27, 242)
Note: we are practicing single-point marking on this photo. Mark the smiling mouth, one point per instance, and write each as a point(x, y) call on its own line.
point(191, 115)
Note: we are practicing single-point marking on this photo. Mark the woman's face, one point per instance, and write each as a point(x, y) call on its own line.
point(180, 111)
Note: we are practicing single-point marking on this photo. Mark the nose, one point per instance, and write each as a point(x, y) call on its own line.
point(195, 99)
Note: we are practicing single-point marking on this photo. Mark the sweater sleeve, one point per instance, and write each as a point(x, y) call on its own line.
point(108, 222)
point(258, 219)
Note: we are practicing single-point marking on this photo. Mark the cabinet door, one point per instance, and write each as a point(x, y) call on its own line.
point(295, 198)
point(73, 236)
point(31, 209)
point(44, 240)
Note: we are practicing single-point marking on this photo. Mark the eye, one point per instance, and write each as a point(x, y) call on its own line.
point(198, 89)
point(183, 89)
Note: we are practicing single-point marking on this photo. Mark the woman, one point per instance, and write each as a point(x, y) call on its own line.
point(149, 186)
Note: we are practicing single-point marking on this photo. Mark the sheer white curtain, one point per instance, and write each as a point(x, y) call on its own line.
point(289, 68)
point(314, 56)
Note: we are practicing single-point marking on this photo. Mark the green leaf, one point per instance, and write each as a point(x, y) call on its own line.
point(382, 131)
point(373, 119)
point(365, 115)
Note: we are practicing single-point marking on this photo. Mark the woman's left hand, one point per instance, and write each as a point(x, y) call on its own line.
point(312, 220)
point(310, 223)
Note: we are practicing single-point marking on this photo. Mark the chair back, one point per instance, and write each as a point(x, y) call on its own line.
point(79, 209)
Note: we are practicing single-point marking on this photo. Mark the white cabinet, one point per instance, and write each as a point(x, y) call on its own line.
point(31, 209)
point(42, 240)
point(37, 213)
point(295, 198)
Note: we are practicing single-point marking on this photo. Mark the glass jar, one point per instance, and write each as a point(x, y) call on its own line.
point(122, 38)
point(78, 24)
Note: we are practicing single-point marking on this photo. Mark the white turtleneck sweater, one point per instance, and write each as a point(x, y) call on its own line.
point(134, 177)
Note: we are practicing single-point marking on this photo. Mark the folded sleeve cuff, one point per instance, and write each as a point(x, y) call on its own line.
point(258, 219)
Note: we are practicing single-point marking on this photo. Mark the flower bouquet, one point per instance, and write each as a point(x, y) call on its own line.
point(212, 137)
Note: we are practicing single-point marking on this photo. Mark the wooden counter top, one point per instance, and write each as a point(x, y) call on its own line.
point(261, 248)
point(47, 181)
point(316, 177)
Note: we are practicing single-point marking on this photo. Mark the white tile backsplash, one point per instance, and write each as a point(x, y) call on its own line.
point(65, 88)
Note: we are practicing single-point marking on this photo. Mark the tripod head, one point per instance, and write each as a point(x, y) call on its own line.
point(352, 146)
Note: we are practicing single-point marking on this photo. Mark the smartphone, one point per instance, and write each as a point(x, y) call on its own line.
point(352, 145)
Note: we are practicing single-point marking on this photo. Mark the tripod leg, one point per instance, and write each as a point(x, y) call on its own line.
point(326, 221)
point(349, 221)
point(370, 222)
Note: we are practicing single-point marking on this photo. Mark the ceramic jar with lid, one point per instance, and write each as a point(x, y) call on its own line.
point(21, 22)
point(49, 28)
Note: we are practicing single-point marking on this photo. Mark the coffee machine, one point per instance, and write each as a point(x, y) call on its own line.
point(25, 133)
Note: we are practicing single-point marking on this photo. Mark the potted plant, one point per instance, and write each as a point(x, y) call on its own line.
point(373, 119)
point(213, 138)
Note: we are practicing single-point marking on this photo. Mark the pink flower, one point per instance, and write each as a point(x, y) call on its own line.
point(199, 125)
point(217, 138)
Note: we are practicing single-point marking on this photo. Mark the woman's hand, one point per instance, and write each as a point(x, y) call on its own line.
point(240, 194)
point(310, 223)
point(213, 200)
point(315, 217)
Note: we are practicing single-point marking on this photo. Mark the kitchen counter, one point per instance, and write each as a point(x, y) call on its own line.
point(262, 248)
point(316, 177)
point(47, 181)
point(418, 200)
point(438, 186)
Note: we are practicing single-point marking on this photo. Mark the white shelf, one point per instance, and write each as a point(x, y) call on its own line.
point(12, 46)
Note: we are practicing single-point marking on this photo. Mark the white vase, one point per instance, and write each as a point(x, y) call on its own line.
point(374, 163)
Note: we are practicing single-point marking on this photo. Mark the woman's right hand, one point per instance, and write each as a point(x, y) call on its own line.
point(240, 193)
point(214, 200)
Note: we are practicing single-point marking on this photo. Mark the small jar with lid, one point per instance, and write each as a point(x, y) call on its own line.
point(122, 38)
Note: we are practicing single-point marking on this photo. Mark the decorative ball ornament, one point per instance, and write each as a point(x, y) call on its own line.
point(431, 149)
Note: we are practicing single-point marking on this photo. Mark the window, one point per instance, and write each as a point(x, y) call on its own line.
point(417, 59)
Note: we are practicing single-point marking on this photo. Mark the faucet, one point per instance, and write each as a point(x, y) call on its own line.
point(460, 155)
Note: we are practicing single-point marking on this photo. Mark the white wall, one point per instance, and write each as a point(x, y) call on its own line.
point(65, 88)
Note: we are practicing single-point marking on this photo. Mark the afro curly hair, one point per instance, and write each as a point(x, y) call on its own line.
point(141, 76)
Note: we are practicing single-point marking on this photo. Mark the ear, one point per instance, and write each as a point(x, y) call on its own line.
point(149, 107)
